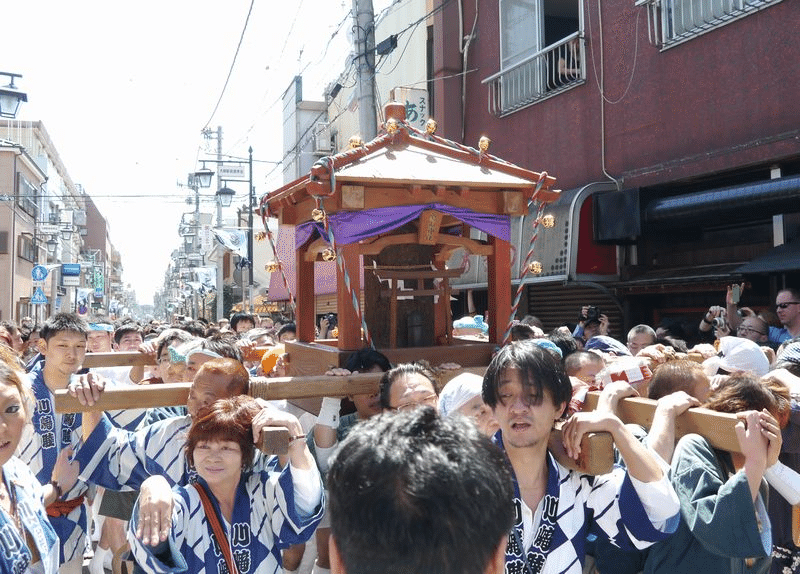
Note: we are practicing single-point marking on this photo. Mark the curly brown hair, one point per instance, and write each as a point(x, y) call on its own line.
point(742, 392)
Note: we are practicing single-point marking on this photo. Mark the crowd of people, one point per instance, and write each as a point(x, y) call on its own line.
point(419, 476)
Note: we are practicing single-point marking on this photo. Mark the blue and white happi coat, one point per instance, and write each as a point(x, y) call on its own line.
point(264, 521)
point(41, 442)
point(119, 378)
point(118, 459)
point(573, 506)
point(15, 556)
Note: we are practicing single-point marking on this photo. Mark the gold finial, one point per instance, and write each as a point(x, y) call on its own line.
point(392, 126)
point(355, 142)
point(272, 267)
point(535, 267)
point(430, 126)
point(318, 215)
point(483, 144)
point(328, 254)
point(548, 221)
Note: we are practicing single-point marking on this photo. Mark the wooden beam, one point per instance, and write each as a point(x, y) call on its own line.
point(349, 324)
point(95, 360)
point(716, 427)
point(499, 288)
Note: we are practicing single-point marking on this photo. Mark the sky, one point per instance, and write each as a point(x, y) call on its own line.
point(125, 89)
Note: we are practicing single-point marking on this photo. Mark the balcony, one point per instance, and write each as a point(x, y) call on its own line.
point(555, 69)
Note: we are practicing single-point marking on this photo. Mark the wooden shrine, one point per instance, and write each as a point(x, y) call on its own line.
point(402, 203)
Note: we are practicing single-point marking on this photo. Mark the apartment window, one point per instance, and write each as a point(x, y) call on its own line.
point(25, 248)
point(26, 197)
point(675, 21)
point(541, 52)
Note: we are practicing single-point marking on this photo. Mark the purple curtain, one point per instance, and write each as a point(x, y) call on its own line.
point(352, 226)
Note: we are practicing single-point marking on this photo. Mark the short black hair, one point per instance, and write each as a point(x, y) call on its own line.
point(127, 327)
point(61, 322)
point(287, 328)
point(564, 341)
point(236, 318)
point(402, 370)
point(364, 359)
point(224, 345)
point(538, 367)
point(415, 492)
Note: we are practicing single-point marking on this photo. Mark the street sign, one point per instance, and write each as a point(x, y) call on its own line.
point(38, 297)
point(49, 228)
point(70, 281)
point(235, 172)
point(39, 273)
point(71, 269)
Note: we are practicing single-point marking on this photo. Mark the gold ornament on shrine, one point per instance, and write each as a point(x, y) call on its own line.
point(355, 142)
point(430, 126)
point(272, 267)
point(548, 221)
point(535, 267)
point(483, 144)
point(261, 235)
point(318, 215)
point(328, 254)
point(392, 126)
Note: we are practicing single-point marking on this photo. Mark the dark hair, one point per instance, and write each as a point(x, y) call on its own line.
point(238, 377)
point(169, 336)
point(364, 359)
point(223, 344)
point(538, 369)
point(196, 328)
point(564, 341)
point(236, 318)
point(226, 419)
point(61, 322)
point(403, 370)
point(287, 328)
point(674, 376)
point(521, 331)
point(741, 392)
point(125, 328)
point(417, 492)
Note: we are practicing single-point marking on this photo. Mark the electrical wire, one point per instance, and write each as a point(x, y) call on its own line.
point(233, 63)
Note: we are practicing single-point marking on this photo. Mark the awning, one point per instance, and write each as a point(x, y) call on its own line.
point(782, 258)
point(698, 277)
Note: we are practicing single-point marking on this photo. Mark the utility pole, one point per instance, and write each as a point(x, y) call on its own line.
point(251, 195)
point(220, 251)
point(365, 54)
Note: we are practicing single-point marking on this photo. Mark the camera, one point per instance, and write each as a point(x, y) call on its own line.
point(718, 322)
point(592, 314)
point(331, 317)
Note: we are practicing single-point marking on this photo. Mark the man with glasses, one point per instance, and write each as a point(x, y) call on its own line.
point(787, 307)
point(753, 328)
point(408, 386)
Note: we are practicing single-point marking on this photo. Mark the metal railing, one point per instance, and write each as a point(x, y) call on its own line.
point(681, 20)
point(556, 68)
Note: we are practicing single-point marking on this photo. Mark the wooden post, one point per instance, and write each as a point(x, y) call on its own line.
point(499, 291)
point(304, 285)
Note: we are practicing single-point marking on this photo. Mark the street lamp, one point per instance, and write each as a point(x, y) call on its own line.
point(11, 97)
point(203, 176)
point(225, 196)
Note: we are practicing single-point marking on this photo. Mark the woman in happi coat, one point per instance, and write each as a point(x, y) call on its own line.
point(258, 513)
point(28, 543)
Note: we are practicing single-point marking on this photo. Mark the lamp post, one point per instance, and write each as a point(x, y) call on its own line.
point(251, 195)
point(198, 179)
point(10, 96)
point(224, 199)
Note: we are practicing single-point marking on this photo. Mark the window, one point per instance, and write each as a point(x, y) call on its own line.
point(541, 52)
point(25, 248)
point(675, 21)
point(26, 197)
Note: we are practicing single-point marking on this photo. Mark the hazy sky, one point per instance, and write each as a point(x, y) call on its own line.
point(124, 90)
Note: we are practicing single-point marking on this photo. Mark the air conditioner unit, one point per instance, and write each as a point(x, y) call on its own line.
point(322, 137)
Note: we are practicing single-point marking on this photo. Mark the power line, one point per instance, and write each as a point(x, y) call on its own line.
point(233, 63)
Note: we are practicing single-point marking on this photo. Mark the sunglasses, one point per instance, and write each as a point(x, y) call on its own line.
point(786, 305)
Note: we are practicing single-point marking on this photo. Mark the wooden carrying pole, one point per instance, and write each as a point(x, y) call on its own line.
point(596, 448)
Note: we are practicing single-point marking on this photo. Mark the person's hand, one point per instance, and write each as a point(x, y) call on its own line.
point(337, 372)
point(604, 325)
point(715, 311)
point(705, 350)
point(612, 393)
point(581, 423)
point(155, 510)
point(148, 348)
point(656, 354)
point(676, 403)
point(269, 416)
point(279, 370)
point(722, 331)
point(729, 294)
point(584, 315)
point(65, 471)
point(324, 323)
point(752, 441)
point(87, 388)
point(771, 430)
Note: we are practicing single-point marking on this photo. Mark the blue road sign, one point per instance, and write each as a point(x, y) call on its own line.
point(39, 273)
point(38, 297)
point(70, 269)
